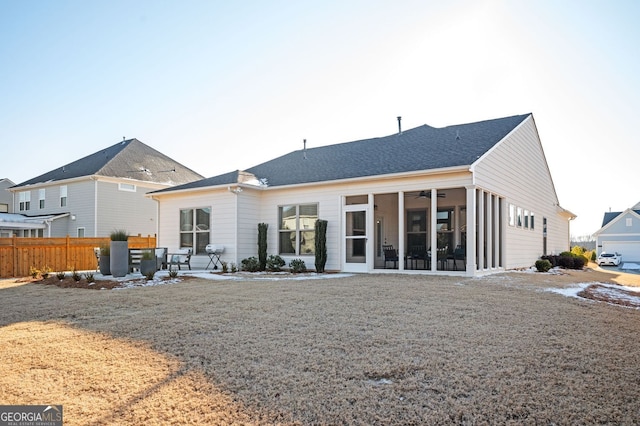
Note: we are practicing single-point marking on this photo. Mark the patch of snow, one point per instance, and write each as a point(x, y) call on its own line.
point(628, 265)
point(610, 291)
point(570, 291)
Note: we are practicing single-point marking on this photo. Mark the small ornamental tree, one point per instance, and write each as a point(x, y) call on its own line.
point(262, 245)
point(321, 245)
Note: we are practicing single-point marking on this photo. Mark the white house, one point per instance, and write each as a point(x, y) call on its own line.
point(96, 194)
point(483, 188)
point(620, 232)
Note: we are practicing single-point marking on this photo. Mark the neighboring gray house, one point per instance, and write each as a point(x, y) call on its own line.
point(96, 194)
point(6, 199)
point(464, 199)
point(620, 232)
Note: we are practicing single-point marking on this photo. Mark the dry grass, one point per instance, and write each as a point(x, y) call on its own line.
point(369, 349)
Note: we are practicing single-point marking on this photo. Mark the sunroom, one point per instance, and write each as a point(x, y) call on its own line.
point(426, 230)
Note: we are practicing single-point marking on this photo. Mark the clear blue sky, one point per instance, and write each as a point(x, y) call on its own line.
point(220, 86)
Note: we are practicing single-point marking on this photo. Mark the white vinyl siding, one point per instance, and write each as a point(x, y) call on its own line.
point(516, 169)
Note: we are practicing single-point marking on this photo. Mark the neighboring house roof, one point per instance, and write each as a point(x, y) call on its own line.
point(421, 148)
point(609, 216)
point(19, 221)
point(129, 159)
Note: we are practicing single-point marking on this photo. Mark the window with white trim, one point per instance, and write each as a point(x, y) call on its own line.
point(629, 221)
point(296, 229)
point(41, 198)
point(519, 217)
point(532, 221)
point(526, 219)
point(194, 229)
point(63, 196)
point(25, 200)
point(80, 232)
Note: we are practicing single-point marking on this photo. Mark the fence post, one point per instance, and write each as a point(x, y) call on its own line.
point(66, 255)
point(14, 243)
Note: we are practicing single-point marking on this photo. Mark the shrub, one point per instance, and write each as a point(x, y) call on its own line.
point(234, 268)
point(45, 272)
point(321, 245)
point(543, 265)
point(225, 266)
point(119, 235)
point(60, 275)
point(149, 275)
point(251, 264)
point(90, 278)
point(34, 272)
point(148, 255)
point(262, 245)
point(275, 263)
point(297, 266)
point(76, 275)
point(593, 255)
point(105, 250)
point(173, 273)
point(577, 250)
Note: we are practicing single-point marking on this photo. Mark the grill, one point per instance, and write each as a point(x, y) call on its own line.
point(214, 248)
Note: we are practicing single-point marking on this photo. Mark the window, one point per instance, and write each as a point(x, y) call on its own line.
point(4, 208)
point(63, 196)
point(532, 222)
point(512, 215)
point(526, 219)
point(25, 200)
point(80, 232)
point(519, 217)
point(41, 197)
point(296, 229)
point(127, 187)
point(194, 229)
point(629, 221)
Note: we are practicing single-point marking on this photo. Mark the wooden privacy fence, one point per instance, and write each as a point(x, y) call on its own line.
point(18, 255)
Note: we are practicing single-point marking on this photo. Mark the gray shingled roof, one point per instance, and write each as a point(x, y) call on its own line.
point(421, 148)
point(609, 216)
point(127, 159)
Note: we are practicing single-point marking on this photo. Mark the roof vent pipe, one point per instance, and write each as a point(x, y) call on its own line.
point(399, 125)
point(304, 153)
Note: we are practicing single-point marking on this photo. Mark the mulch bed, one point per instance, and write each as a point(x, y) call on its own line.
point(69, 282)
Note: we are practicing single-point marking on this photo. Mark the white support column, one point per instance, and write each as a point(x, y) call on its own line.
point(489, 230)
point(471, 230)
point(370, 246)
point(433, 226)
point(481, 238)
point(401, 244)
point(503, 234)
point(497, 217)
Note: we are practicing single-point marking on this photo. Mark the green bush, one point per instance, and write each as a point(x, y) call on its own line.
point(543, 265)
point(275, 263)
point(251, 264)
point(262, 245)
point(321, 245)
point(90, 278)
point(297, 266)
point(119, 235)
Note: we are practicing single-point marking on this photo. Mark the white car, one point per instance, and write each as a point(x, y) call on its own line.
point(609, 259)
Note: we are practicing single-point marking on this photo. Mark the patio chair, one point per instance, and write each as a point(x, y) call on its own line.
point(390, 255)
point(458, 254)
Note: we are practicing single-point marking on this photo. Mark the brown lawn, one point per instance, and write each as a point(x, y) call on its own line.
point(367, 349)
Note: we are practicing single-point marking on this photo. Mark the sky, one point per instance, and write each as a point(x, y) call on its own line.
point(225, 85)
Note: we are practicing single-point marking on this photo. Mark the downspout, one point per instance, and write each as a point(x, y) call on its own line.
point(95, 207)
